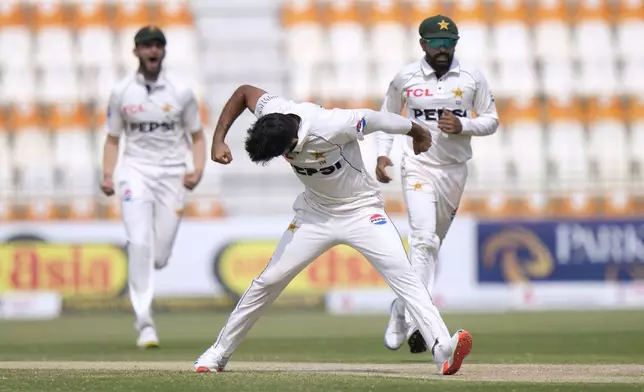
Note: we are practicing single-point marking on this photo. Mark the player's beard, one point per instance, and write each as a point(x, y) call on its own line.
point(148, 68)
point(437, 62)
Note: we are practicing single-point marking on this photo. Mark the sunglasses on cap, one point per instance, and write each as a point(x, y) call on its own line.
point(436, 43)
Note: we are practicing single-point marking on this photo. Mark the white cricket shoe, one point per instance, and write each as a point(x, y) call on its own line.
point(396, 331)
point(210, 361)
point(148, 338)
point(452, 356)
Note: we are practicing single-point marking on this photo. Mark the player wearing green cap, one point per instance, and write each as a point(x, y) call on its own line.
point(443, 94)
point(157, 114)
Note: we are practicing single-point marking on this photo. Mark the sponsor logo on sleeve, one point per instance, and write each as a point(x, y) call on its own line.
point(360, 126)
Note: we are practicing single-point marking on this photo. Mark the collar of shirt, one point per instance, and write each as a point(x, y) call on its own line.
point(455, 67)
point(160, 82)
point(302, 133)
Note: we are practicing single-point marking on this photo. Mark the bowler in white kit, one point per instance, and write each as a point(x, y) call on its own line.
point(341, 204)
point(442, 94)
point(158, 116)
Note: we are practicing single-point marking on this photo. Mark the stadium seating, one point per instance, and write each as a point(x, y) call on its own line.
point(567, 76)
point(562, 70)
point(59, 61)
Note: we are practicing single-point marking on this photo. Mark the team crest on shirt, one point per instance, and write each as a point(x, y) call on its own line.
point(377, 219)
point(458, 95)
point(293, 226)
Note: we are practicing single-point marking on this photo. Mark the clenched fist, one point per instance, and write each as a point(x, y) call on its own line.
point(221, 153)
point(449, 123)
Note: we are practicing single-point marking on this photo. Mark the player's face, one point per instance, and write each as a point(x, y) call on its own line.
point(439, 52)
point(150, 55)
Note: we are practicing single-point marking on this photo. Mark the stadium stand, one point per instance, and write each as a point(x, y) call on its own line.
point(566, 75)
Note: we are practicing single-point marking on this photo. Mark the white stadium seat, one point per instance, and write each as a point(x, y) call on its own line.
point(59, 85)
point(33, 162)
point(6, 163)
point(72, 150)
point(558, 78)
point(489, 161)
point(17, 85)
point(347, 40)
point(526, 144)
point(16, 43)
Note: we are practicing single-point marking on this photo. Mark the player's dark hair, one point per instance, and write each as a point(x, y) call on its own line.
point(271, 136)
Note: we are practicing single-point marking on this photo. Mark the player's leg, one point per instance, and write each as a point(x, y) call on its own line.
point(424, 243)
point(378, 240)
point(301, 243)
point(168, 209)
point(138, 215)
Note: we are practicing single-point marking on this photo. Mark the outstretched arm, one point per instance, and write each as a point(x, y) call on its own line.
point(245, 97)
point(393, 103)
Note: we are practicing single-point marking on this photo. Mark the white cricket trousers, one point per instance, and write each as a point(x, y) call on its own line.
point(152, 201)
point(311, 232)
point(432, 196)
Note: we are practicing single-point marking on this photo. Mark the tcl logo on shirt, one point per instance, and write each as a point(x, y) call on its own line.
point(436, 114)
point(132, 109)
point(418, 92)
point(147, 127)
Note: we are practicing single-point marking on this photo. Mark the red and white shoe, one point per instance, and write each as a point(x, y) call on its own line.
point(461, 344)
point(209, 362)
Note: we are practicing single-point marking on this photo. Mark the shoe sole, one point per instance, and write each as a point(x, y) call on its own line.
point(417, 343)
point(149, 345)
point(206, 369)
point(462, 350)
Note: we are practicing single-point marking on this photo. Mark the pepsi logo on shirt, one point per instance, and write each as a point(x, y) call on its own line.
point(377, 219)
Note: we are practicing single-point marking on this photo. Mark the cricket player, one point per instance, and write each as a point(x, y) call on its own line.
point(341, 204)
point(158, 117)
point(442, 94)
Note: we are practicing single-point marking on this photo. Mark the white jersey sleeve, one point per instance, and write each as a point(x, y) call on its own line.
point(353, 124)
point(487, 118)
point(190, 116)
point(393, 103)
point(115, 122)
point(270, 103)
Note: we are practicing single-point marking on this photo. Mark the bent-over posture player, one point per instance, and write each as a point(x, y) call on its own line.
point(341, 204)
point(158, 115)
point(441, 93)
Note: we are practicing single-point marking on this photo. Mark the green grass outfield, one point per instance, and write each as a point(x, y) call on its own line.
point(306, 351)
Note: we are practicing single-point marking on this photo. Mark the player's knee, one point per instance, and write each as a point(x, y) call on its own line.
point(425, 240)
point(139, 250)
point(271, 279)
point(162, 256)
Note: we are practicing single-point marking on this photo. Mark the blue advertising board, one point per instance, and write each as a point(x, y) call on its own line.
point(560, 251)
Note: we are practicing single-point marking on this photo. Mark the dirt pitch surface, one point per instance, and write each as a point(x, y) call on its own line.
point(474, 372)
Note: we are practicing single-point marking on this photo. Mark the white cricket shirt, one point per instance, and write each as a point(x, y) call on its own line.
point(462, 90)
point(327, 157)
point(155, 119)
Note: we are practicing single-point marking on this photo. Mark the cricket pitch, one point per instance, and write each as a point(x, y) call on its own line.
point(475, 372)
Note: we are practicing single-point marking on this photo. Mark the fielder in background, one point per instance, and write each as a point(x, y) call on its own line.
point(341, 204)
point(158, 116)
point(441, 93)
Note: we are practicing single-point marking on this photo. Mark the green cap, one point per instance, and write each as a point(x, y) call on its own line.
point(149, 33)
point(438, 26)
